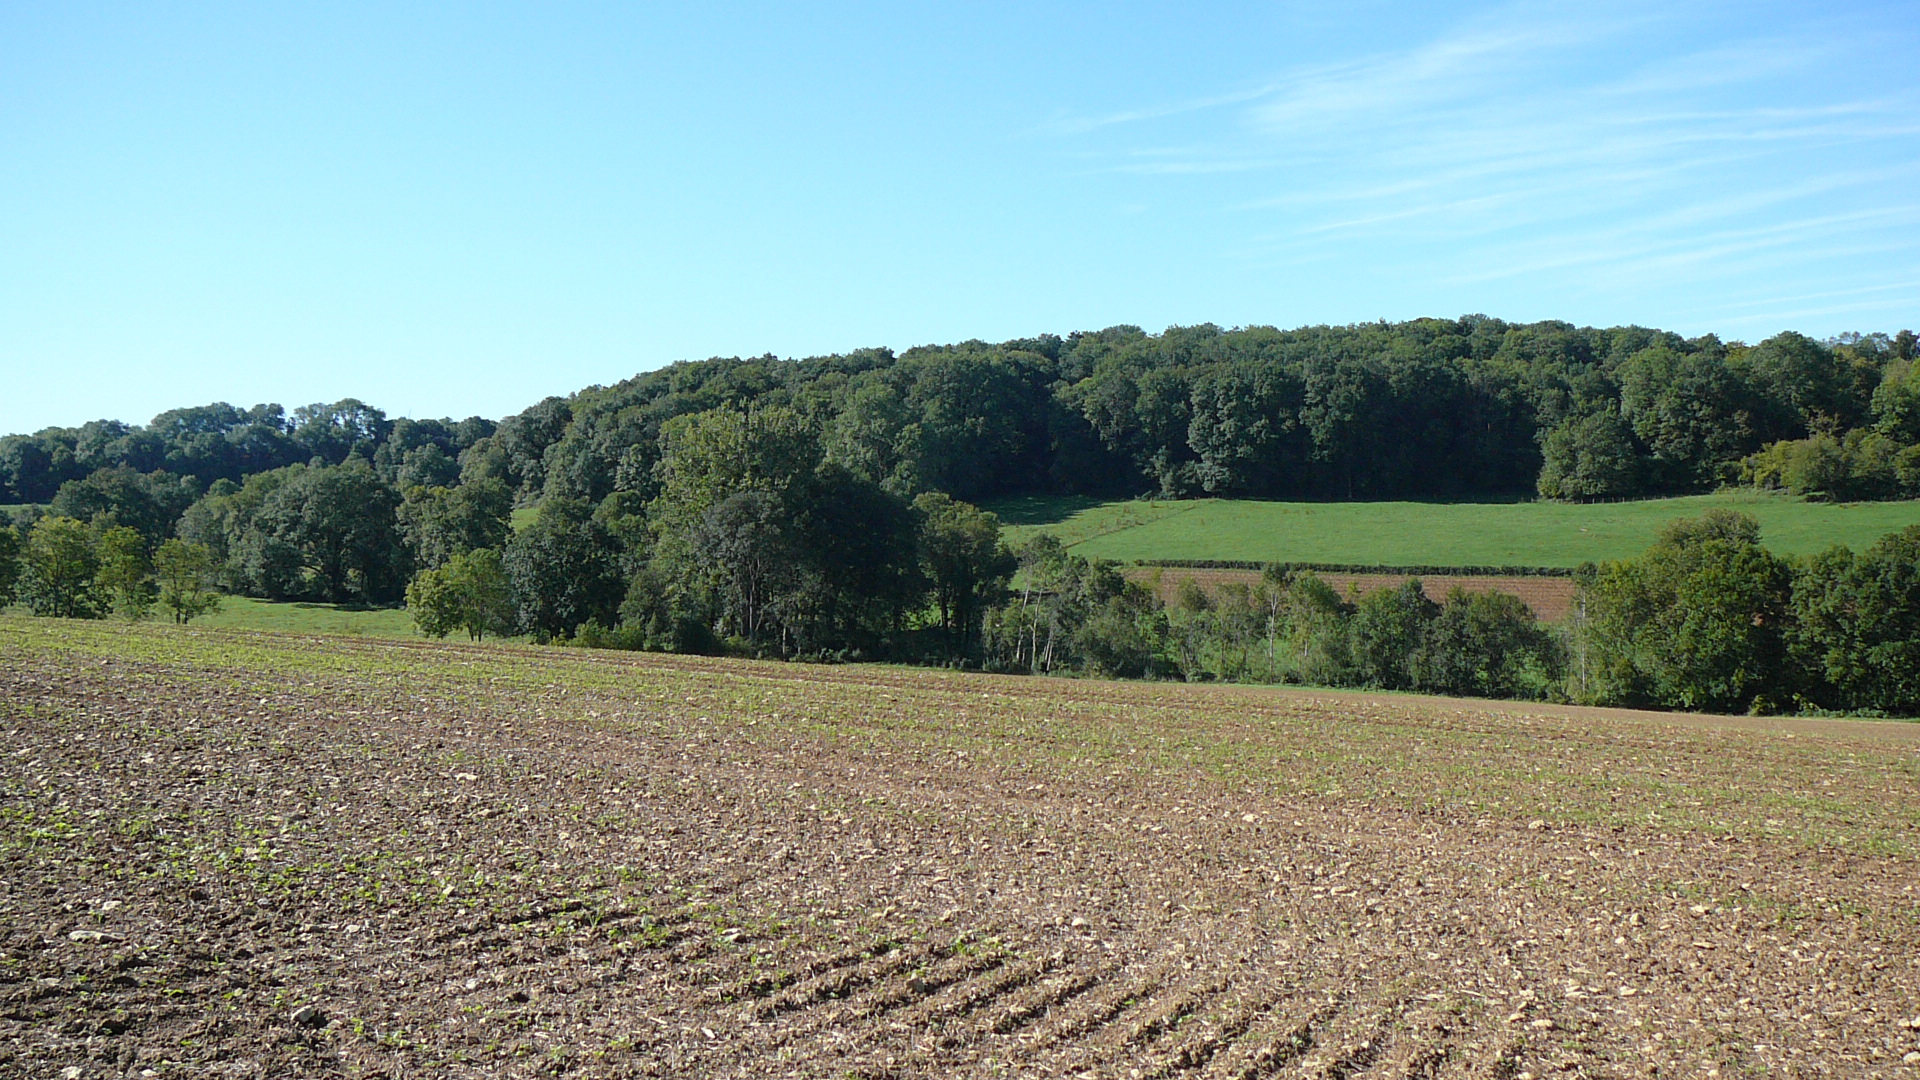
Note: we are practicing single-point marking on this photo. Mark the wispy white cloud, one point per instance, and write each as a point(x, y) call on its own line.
point(1069, 124)
point(1912, 286)
point(1553, 144)
point(1783, 316)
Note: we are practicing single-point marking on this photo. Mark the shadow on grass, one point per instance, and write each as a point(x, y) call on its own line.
point(1041, 509)
point(316, 605)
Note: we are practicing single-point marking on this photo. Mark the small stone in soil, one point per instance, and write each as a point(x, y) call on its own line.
point(310, 1016)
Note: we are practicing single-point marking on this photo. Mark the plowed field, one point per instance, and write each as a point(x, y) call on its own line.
point(259, 855)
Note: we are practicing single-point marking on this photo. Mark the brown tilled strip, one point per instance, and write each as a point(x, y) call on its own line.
point(887, 997)
point(840, 981)
point(1198, 1049)
point(1169, 1012)
point(1279, 1039)
point(1100, 1009)
point(1048, 995)
point(965, 999)
point(762, 990)
point(1357, 1038)
point(1423, 1048)
point(886, 989)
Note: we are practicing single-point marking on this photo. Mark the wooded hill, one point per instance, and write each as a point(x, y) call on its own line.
point(1431, 408)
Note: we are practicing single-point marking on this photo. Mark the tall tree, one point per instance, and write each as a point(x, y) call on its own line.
point(441, 522)
point(1388, 627)
point(1590, 457)
point(1857, 624)
point(9, 563)
point(186, 573)
point(124, 580)
point(565, 570)
point(61, 566)
point(965, 562)
point(339, 522)
point(470, 592)
point(1698, 622)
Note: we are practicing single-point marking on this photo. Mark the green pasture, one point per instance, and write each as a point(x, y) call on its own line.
point(1432, 534)
point(246, 613)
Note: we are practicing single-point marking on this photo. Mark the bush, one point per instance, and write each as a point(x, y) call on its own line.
point(1696, 623)
point(1856, 625)
point(1486, 644)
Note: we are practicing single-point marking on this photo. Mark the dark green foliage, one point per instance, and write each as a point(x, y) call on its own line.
point(780, 549)
point(767, 500)
point(185, 573)
point(124, 581)
point(470, 592)
point(1860, 465)
point(9, 563)
point(61, 566)
point(148, 503)
point(1075, 615)
point(748, 556)
point(564, 569)
point(964, 561)
point(1690, 412)
point(1486, 644)
point(1123, 636)
point(1896, 403)
point(305, 532)
point(331, 533)
point(1388, 628)
point(859, 576)
point(440, 522)
point(1431, 408)
point(1698, 622)
point(1806, 386)
point(1590, 457)
point(1310, 625)
point(346, 428)
point(1856, 626)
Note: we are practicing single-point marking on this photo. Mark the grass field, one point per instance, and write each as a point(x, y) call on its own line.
point(286, 855)
point(246, 613)
point(1430, 534)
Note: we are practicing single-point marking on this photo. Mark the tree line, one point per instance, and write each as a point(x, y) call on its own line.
point(1430, 408)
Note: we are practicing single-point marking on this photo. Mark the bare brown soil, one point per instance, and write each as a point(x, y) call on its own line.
point(254, 855)
point(1549, 597)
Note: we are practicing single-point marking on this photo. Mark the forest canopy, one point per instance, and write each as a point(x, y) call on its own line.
point(1431, 408)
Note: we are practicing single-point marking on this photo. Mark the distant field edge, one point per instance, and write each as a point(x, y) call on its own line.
point(1418, 570)
point(28, 634)
point(1893, 729)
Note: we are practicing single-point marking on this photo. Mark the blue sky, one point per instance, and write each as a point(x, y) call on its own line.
point(461, 208)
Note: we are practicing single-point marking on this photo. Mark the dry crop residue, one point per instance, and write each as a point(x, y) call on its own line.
point(267, 855)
